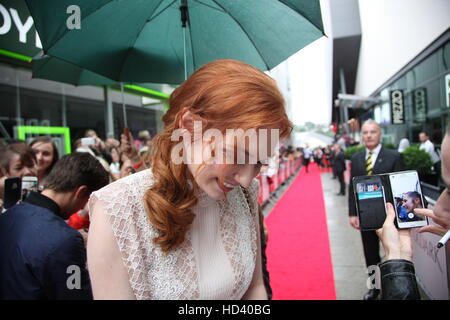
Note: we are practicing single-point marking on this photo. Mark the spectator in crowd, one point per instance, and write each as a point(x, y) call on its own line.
point(17, 160)
point(353, 143)
point(403, 145)
point(327, 153)
point(116, 163)
point(144, 139)
point(39, 250)
point(332, 157)
point(80, 221)
point(111, 142)
point(79, 147)
point(132, 161)
point(398, 280)
point(99, 144)
point(157, 232)
point(375, 159)
point(339, 168)
point(298, 153)
point(306, 157)
point(340, 139)
point(428, 146)
point(46, 155)
point(318, 155)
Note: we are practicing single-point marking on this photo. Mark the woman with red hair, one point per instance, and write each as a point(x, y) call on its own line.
point(189, 229)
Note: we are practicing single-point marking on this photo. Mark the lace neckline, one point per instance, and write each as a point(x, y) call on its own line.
point(204, 200)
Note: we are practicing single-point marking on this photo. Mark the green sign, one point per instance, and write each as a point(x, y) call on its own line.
point(17, 32)
point(420, 105)
point(59, 135)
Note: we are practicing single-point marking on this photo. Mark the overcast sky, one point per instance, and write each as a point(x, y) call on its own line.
point(310, 76)
point(309, 84)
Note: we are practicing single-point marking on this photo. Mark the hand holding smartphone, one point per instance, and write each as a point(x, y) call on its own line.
point(401, 189)
point(17, 189)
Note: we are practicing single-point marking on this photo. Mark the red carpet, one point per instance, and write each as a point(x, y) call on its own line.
point(298, 251)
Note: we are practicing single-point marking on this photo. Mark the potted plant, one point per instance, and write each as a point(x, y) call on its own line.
point(350, 151)
point(419, 160)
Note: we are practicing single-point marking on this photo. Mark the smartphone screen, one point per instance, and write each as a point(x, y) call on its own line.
point(28, 184)
point(370, 202)
point(87, 141)
point(407, 196)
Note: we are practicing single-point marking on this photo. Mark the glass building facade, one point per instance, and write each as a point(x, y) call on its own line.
point(425, 83)
point(25, 101)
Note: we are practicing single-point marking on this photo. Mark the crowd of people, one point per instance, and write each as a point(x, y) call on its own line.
point(156, 229)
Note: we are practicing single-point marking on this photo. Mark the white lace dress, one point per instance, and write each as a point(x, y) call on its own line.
point(217, 259)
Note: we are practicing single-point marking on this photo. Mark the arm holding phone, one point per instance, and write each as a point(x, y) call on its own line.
point(398, 281)
point(129, 149)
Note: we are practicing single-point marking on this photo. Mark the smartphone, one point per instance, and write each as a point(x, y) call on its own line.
point(370, 202)
point(28, 184)
point(88, 141)
point(407, 195)
point(12, 193)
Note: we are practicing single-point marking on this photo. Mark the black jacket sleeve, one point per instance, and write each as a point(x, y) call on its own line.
point(398, 280)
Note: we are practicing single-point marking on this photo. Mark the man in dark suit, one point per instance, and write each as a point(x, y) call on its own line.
point(375, 159)
point(339, 168)
point(41, 257)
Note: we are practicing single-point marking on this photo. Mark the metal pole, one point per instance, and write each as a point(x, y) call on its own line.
point(184, 53)
point(125, 122)
point(109, 112)
point(64, 116)
point(184, 21)
point(18, 109)
point(344, 106)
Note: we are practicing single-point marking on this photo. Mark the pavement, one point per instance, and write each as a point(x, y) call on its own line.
point(347, 255)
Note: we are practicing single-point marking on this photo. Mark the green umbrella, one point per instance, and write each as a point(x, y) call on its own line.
point(144, 40)
point(51, 68)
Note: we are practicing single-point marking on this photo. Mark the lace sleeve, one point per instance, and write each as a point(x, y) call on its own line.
point(104, 257)
point(122, 205)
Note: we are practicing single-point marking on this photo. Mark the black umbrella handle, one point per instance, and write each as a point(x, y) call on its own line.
point(184, 13)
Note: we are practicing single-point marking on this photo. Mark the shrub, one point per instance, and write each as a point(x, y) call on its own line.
point(389, 146)
point(416, 159)
point(350, 151)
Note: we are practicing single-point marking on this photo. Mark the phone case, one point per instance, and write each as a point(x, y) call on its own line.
point(13, 192)
point(370, 218)
point(374, 219)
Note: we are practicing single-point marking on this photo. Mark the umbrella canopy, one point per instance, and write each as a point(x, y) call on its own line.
point(51, 68)
point(144, 41)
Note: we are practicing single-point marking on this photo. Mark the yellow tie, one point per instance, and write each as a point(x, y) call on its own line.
point(369, 166)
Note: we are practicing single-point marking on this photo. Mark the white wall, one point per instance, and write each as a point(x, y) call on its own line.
point(344, 18)
point(393, 33)
point(281, 75)
point(310, 72)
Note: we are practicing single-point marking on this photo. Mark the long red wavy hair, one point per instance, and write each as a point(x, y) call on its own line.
point(224, 94)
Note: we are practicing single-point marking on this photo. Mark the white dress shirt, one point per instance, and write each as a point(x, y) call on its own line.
point(428, 147)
